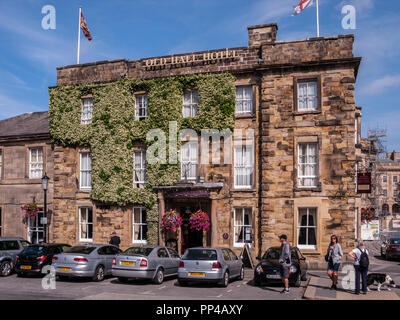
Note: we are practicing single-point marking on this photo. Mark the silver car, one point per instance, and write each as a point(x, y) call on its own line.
point(10, 247)
point(218, 265)
point(153, 263)
point(86, 260)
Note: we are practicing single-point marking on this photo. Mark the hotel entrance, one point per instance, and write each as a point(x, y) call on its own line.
point(190, 237)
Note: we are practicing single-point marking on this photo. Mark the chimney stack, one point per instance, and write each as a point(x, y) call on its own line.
point(262, 34)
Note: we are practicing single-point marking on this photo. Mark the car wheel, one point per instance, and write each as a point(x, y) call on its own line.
point(241, 276)
point(298, 281)
point(225, 280)
point(304, 277)
point(159, 278)
point(99, 274)
point(182, 283)
point(5, 268)
point(122, 280)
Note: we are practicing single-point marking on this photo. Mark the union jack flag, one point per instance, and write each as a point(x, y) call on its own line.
point(301, 6)
point(85, 28)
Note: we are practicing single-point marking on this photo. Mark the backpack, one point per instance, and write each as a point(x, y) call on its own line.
point(364, 260)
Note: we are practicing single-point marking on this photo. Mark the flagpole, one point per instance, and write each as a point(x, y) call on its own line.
point(79, 35)
point(317, 19)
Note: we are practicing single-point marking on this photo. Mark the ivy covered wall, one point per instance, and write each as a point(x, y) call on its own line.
point(114, 132)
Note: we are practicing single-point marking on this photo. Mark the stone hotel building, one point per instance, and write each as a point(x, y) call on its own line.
point(294, 175)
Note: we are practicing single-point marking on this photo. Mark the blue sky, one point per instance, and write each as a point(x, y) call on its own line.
point(135, 29)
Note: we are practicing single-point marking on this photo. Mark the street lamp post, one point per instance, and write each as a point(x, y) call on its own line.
point(45, 186)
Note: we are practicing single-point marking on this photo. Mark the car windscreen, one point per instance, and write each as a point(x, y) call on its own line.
point(200, 254)
point(274, 253)
point(35, 250)
point(80, 249)
point(138, 250)
point(395, 241)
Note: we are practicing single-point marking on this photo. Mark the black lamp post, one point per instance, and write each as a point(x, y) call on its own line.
point(45, 186)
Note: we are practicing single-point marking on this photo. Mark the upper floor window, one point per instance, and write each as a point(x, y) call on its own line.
point(307, 95)
point(139, 225)
point(141, 107)
point(243, 169)
point(244, 100)
point(385, 193)
point(35, 163)
point(308, 165)
point(384, 179)
point(190, 104)
point(189, 160)
point(395, 178)
point(87, 110)
point(139, 168)
point(85, 170)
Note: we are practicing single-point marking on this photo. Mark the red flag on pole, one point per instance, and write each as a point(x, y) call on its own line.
point(85, 28)
point(303, 4)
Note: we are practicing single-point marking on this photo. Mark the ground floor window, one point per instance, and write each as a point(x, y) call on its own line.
point(307, 228)
point(242, 224)
point(36, 230)
point(86, 224)
point(139, 225)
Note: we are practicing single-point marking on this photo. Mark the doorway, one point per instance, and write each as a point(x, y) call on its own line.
point(36, 230)
point(190, 237)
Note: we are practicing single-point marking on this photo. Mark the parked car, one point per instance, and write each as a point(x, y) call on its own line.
point(268, 270)
point(218, 265)
point(390, 248)
point(10, 247)
point(153, 263)
point(86, 260)
point(32, 259)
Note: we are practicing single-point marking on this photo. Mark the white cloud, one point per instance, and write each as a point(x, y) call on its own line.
point(380, 85)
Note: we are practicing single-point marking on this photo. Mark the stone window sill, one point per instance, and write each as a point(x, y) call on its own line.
point(313, 189)
point(244, 116)
point(300, 113)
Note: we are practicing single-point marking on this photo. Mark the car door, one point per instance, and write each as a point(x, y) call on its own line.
point(102, 257)
point(228, 261)
point(12, 248)
point(174, 259)
point(110, 253)
point(163, 260)
point(236, 263)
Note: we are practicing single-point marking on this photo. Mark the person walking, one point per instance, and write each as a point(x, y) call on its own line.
point(285, 261)
point(334, 256)
point(361, 263)
point(115, 240)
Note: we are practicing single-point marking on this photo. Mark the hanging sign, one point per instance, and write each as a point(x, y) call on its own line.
point(363, 182)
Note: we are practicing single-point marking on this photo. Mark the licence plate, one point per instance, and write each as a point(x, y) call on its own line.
point(65, 269)
point(26, 267)
point(128, 263)
point(273, 276)
point(197, 274)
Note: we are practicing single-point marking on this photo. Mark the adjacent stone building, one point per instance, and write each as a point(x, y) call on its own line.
point(294, 176)
point(26, 154)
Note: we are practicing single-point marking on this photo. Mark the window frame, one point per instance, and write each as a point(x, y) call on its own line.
point(138, 183)
point(395, 179)
point(37, 162)
point(249, 167)
point(188, 144)
point(87, 223)
point(81, 171)
point(241, 100)
point(86, 110)
point(243, 226)
point(193, 106)
point(307, 246)
point(296, 81)
point(316, 185)
point(139, 224)
point(139, 107)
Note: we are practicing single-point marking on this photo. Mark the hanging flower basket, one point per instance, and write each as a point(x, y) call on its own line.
point(367, 215)
point(30, 209)
point(199, 220)
point(171, 220)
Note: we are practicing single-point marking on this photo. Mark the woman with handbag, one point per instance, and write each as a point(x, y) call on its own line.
point(334, 256)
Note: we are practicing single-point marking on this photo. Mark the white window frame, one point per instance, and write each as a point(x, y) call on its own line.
point(36, 166)
point(87, 224)
point(139, 224)
point(141, 103)
point(87, 111)
point(303, 101)
point(189, 161)
point(38, 228)
point(86, 170)
point(242, 166)
point(139, 164)
point(306, 163)
point(308, 246)
point(242, 98)
point(242, 211)
point(190, 104)
point(384, 179)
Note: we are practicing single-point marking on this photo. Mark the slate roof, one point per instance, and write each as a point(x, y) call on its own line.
point(27, 124)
